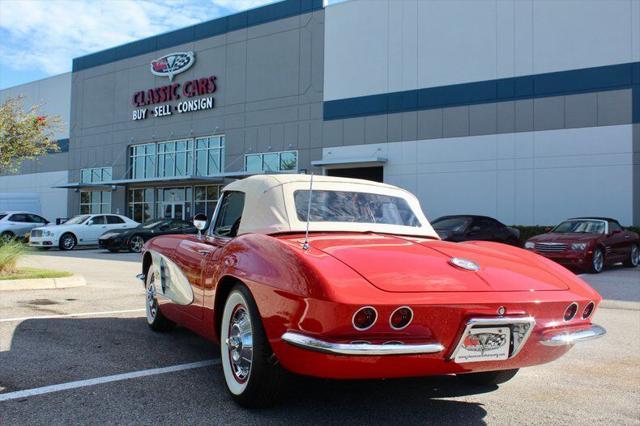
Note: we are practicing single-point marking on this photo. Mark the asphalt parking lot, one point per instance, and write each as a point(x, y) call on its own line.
point(80, 338)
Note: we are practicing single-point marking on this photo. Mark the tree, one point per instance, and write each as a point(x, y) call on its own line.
point(24, 134)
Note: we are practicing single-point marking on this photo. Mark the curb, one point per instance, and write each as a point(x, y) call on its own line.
point(43, 283)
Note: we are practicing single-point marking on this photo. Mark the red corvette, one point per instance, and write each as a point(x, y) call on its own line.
point(346, 279)
point(588, 243)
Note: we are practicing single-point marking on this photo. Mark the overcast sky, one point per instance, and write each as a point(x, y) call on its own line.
point(39, 38)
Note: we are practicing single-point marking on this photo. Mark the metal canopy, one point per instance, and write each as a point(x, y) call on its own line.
point(353, 161)
point(174, 179)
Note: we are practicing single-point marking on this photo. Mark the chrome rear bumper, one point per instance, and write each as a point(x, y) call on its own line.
point(361, 349)
point(564, 338)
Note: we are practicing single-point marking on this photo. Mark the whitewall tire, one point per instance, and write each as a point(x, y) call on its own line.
point(155, 319)
point(251, 373)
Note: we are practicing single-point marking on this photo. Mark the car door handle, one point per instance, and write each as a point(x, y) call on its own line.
point(203, 251)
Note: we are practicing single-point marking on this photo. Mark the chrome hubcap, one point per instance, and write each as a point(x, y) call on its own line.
point(598, 260)
point(68, 242)
point(136, 244)
point(240, 343)
point(635, 255)
point(152, 304)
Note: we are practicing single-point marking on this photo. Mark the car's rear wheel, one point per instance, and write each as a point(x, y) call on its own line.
point(68, 242)
point(7, 236)
point(155, 319)
point(597, 261)
point(634, 257)
point(135, 244)
point(251, 372)
point(487, 378)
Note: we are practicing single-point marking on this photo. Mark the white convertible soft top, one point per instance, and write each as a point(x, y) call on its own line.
point(270, 207)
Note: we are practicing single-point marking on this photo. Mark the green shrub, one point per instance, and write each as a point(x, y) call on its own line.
point(10, 252)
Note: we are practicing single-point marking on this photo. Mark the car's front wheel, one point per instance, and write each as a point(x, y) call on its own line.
point(68, 242)
point(488, 378)
point(155, 319)
point(634, 257)
point(597, 261)
point(251, 372)
point(135, 244)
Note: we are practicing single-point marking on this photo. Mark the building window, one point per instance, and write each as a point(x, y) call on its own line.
point(143, 161)
point(93, 202)
point(96, 175)
point(271, 161)
point(175, 158)
point(178, 158)
point(209, 155)
point(206, 198)
point(141, 204)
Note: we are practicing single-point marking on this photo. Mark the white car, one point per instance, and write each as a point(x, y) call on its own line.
point(84, 229)
point(17, 224)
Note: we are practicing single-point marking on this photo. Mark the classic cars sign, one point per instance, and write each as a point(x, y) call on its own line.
point(172, 64)
point(174, 98)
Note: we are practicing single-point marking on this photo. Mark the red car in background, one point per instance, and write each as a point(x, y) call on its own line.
point(588, 243)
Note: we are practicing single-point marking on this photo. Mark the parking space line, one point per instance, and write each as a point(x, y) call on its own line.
point(105, 379)
point(83, 314)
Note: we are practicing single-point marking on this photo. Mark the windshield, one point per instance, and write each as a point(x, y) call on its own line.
point(580, 226)
point(76, 220)
point(153, 224)
point(454, 224)
point(360, 207)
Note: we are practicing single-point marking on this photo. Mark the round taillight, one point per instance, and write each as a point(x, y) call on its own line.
point(571, 311)
point(401, 318)
point(588, 310)
point(364, 318)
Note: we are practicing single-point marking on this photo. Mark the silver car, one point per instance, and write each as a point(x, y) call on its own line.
point(17, 224)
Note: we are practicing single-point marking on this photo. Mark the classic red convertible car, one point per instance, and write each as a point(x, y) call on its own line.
point(346, 279)
point(588, 243)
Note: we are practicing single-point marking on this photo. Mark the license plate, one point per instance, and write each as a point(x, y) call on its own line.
point(484, 344)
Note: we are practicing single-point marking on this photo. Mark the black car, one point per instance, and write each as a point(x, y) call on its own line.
point(471, 227)
point(133, 239)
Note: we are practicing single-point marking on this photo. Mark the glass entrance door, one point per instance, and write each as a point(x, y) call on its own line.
point(174, 211)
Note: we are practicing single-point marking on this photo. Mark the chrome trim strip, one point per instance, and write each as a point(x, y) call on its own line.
point(564, 338)
point(499, 321)
point(362, 349)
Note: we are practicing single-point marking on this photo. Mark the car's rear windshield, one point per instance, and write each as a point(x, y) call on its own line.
point(580, 226)
point(2, 215)
point(357, 207)
point(451, 223)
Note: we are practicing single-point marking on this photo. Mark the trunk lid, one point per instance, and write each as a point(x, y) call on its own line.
point(399, 264)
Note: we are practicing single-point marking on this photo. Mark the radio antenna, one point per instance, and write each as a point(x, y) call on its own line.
point(305, 246)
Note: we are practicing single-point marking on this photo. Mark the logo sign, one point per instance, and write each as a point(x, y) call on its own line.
point(172, 64)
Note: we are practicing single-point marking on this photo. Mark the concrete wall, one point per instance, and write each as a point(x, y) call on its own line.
point(36, 177)
point(520, 178)
point(268, 98)
point(53, 202)
point(53, 94)
point(396, 45)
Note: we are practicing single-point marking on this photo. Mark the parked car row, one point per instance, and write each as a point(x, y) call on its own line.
point(587, 243)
